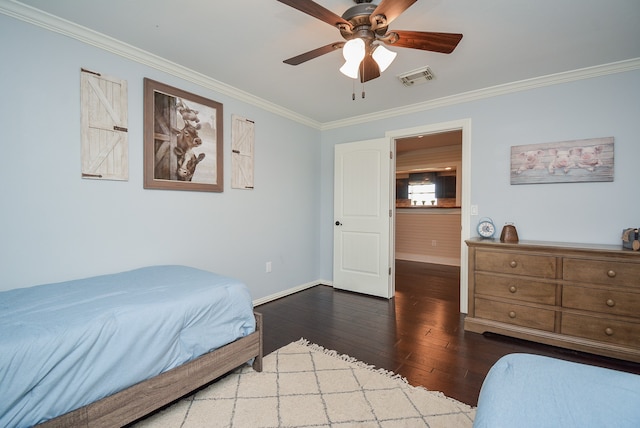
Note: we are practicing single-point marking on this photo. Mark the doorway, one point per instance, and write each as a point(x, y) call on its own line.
point(445, 141)
point(428, 198)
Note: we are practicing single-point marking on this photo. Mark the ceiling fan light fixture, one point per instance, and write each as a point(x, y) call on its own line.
point(353, 53)
point(383, 57)
point(367, 23)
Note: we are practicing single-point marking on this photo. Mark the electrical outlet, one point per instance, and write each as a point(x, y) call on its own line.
point(433, 242)
point(267, 267)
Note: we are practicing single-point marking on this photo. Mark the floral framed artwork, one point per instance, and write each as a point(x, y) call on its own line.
point(563, 162)
point(182, 140)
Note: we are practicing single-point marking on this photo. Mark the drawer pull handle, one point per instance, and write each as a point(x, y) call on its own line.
point(608, 331)
point(513, 289)
point(513, 264)
point(512, 314)
point(611, 274)
point(611, 303)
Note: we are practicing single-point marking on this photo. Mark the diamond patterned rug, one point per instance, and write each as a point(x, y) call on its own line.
point(305, 385)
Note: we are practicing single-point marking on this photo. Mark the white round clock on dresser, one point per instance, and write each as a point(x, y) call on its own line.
point(486, 228)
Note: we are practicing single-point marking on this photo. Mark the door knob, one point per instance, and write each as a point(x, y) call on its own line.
point(338, 223)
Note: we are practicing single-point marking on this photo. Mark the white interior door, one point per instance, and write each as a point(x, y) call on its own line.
point(362, 216)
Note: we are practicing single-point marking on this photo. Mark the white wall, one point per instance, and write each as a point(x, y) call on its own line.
point(58, 226)
point(576, 212)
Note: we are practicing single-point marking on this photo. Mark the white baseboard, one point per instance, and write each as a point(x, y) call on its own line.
point(428, 259)
point(326, 282)
point(289, 291)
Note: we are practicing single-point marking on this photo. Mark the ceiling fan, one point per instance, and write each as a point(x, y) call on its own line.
point(363, 26)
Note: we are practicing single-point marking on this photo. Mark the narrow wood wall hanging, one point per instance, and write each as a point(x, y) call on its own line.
point(242, 145)
point(103, 122)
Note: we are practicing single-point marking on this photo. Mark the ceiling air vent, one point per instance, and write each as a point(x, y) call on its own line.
point(416, 77)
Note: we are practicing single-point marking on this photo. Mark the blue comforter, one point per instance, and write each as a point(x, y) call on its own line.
point(65, 345)
point(532, 391)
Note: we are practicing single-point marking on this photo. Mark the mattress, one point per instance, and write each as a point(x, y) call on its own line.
point(523, 390)
point(68, 344)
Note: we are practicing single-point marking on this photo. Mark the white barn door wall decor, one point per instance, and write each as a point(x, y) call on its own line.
point(242, 143)
point(104, 115)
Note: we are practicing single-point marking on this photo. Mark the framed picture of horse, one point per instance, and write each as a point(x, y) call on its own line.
point(182, 140)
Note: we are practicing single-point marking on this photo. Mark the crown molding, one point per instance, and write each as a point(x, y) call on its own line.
point(493, 91)
point(58, 25)
point(53, 23)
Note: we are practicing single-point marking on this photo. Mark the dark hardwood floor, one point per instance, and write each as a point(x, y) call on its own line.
point(418, 334)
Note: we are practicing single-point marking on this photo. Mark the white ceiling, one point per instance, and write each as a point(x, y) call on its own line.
point(242, 43)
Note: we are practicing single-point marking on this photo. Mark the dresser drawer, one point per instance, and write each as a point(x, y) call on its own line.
point(516, 263)
point(601, 300)
point(516, 288)
point(601, 329)
point(510, 313)
point(602, 272)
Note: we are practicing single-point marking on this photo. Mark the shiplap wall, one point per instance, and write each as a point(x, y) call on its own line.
point(436, 157)
point(418, 228)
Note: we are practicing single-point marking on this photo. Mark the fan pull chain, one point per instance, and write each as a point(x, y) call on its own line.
point(363, 76)
point(353, 94)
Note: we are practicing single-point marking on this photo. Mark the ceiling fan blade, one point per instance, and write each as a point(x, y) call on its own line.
point(369, 69)
point(314, 9)
point(391, 9)
point(296, 60)
point(427, 41)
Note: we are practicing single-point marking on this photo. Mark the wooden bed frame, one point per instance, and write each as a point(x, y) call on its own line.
point(143, 398)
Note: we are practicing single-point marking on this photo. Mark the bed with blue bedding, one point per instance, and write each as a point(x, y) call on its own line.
point(527, 391)
point(109, 349)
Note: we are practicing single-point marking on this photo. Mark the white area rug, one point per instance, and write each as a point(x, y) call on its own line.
point(304, 385)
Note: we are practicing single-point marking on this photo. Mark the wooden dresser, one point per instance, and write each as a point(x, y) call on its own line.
point(577, 296)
